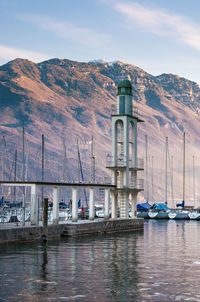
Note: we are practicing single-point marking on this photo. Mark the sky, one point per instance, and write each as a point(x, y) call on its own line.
point(157, 36)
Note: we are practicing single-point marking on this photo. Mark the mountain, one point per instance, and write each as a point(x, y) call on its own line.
point(66, 100)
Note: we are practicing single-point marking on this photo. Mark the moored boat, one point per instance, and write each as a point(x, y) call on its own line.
point(159, 211)
point(194, 215)
point(178, 215)
point(181, 214)
point(143, 210)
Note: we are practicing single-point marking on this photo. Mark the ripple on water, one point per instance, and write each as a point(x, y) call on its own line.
point(71, 297)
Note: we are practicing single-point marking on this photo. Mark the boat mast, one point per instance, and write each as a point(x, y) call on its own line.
point(64, 161)
point(23, 152)
point(147, 187)
point(92, 162)
point(64, 176)
point(42, 166)
point(26, 162)
point(183, 169)
point(166, 153)
point(15, 174)
point(80, 170)
point(172, 180)
point(79, 164)
point(3, 163)
point(193, 180)
point(26, 168)
point(152, 180)
point(15, 171)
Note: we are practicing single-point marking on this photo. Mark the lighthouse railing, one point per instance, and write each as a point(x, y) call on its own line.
point(121, 162)
point(137, 184)
point(115, 111)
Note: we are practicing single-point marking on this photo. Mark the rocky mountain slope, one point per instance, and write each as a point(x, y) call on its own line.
point(66, 100)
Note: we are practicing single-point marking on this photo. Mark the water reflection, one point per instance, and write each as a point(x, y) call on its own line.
point(44, 262)
point(161, 264)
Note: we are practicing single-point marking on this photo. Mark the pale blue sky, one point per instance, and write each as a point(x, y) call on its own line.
point(158, 36)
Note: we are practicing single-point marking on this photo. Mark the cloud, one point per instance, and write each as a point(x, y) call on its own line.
point(10, 53)
point(67, 30)
point(159, 22)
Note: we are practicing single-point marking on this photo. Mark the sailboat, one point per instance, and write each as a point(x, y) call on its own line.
point(143, 208)
point(195, 214)
point(160, 210)
point(181, 214)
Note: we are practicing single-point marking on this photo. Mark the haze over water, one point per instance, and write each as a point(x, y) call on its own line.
point(160, 264)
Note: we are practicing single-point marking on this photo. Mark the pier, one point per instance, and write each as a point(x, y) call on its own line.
point(35, 231)
point(55, 186)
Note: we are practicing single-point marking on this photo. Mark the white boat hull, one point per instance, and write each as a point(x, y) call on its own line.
point(194, 216)
point(179, 215)
point(100, 214)
point(5, 217)
point(152, 215)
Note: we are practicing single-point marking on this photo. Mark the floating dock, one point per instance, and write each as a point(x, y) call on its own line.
point(12, 233)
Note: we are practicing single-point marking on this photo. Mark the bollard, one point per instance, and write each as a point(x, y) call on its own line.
point(45, 212)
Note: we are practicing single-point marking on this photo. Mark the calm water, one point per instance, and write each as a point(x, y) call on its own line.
point(161, 264)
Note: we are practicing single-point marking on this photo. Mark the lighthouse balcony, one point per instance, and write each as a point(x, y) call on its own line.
point(121, 163)
point(115, 110)
point(133, 185)
point(137, 184)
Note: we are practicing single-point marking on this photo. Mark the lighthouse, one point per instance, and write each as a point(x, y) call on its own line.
point(123, 162)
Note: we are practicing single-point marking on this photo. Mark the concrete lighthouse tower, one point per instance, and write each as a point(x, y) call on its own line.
point(123, 162)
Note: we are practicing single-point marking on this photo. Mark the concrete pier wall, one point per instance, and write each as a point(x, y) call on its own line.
point(26, 234)
point(80, 228)
point(109, 226)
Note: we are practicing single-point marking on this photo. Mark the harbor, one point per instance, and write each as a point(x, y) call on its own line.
point(99, 151)
point(37, 218)
point(120, 195)
point(41, 227)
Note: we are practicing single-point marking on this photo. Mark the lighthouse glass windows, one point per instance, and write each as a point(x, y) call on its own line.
point(124, 90)
point(131, 143)
point(120, 143)
point(121, 104)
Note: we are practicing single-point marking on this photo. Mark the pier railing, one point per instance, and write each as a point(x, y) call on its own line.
point(121, 162)
point(107, 180)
